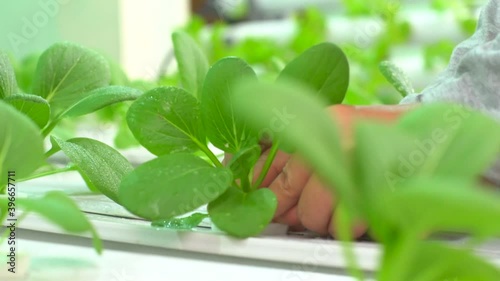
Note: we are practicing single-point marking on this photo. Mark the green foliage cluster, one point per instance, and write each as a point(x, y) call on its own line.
point(176, 124)
point(68, 81)
point(407, 181)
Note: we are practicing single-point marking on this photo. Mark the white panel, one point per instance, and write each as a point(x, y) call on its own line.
point(145, 33)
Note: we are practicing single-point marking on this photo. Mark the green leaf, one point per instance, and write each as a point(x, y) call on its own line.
point(25, 70)
point(102, 166)
point(439, 204)
point(185, 223)
point(225, 129)
point(167, 120)
point(293, 114)
point(243, 161)
point(192, 62)
point(8, 84)
point(66, 73)
point(449, 263)
point(377, 156)
point(344, 224)
point(58, 208)
point(397, 78)
point(21, 145)
point(377, 168)
point(243, 214)
point(445, 135)
point(35, 107)
point(172, 185)
point(100, 98)
point(324, 68)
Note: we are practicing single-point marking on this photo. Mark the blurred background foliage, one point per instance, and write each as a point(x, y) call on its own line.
point(212, 28)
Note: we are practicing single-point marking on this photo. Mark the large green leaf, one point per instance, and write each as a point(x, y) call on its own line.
point(61, 210)
point(35, 107)
point(172, 185)
point(438, 204)
point(66, 73)
point(192, 62)
point(25, 70)
point(167, 120)
point(100, 98)
point(225, 129)
point(376, 161)
point(21, 145)
point(8, 84)
point(376, 169)
point(324, 68)
point(445, 135)
point(293, 114)
point(449, 263)
point(243, 214)
point(102, 166)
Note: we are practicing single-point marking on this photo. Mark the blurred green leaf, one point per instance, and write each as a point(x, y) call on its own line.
point(58, 208)
point(288, 110)
point(25, 71)
point(21, 145)
point(8, 83)
point(445, 136)
point(434, 204)
point(449, 264)
point(192, 62)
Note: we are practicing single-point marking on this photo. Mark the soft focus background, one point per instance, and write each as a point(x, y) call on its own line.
point(418, 36)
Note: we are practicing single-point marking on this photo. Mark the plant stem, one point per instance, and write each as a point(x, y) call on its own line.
point(209, 153)
point(46, 131)
point(245, 184)
point(395, 266)
point(267, 165)
point(51, 172)
point(51, 152)
point(344, 225)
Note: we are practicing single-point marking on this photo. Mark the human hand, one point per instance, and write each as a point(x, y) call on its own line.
point(303, 199)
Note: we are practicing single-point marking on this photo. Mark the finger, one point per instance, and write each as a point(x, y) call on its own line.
point(289, 184)
point(290, 217)
point(315, 207)
point(227, 158)
point(278, 164)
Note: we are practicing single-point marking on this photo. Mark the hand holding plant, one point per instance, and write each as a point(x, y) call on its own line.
point(176, 124)
point(406, 180)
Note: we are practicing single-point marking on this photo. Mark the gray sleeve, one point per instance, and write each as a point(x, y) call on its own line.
point(473, 75)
